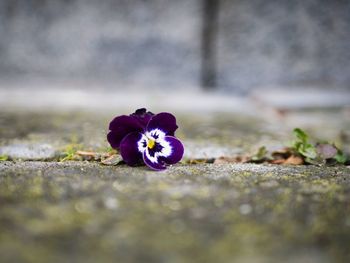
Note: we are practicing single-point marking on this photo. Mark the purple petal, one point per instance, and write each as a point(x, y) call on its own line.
point(113, 139)
point(120, 127)
point(163, 121)
point(128, 149)
point(177, 150)
point(142, 116)
point(158, 165)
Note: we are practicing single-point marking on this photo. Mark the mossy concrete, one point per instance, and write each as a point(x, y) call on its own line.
point(205, 135)
point(24, 134)
point(86, 212)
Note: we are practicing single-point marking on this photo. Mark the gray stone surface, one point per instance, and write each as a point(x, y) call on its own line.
point(301, 42)
point(80, 211)
point(206, 134)
point(85, 212)
point(158, 42)
point(148, 43)
point(23, 151)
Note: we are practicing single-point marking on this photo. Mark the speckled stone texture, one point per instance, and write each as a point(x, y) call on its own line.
point(86, 212)
point(79, 211)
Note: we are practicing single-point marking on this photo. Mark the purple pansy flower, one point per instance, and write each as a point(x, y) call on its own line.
point(144, 136)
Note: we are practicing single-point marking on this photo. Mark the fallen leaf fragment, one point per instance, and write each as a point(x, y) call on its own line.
point(286, 156)
point(112, 160)
point(277, 161)
point(86, 153)
point(294, 160)
point(283, 154)
point(236, 159)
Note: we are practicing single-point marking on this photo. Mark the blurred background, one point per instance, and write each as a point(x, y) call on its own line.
point(257, 57)
point(237, 74)
point(233, 46)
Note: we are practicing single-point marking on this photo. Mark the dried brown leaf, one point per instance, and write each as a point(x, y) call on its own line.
point(283, 153)
point(86, 153)
point(277, 161)
point(236, 159)
point(112, 160)
point(294, 160)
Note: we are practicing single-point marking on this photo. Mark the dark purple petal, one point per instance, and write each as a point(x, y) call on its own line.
point(120, 127)
point(142, 116)
point(177, 150)
point(163, 121)
point(159, 165)
point(124, 121)
point(113, 139)
point(128, 149)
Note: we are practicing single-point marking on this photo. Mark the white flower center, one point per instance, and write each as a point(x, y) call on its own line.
point(154, 145)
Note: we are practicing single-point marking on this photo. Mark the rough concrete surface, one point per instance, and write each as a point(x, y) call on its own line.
point(79, 211)
point(86, 212)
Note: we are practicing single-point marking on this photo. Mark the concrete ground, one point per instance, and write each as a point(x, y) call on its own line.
point(83, 211)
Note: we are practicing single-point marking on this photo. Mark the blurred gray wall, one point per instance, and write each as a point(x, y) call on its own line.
point(284, 42)
point(133, 42)
point(158, 42)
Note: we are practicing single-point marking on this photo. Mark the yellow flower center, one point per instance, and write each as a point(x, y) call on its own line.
point(151, 143)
